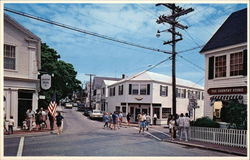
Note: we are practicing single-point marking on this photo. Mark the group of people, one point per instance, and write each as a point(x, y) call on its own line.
point(180, 125)
point(143, 121)
point(113, 120)
point(35, 119)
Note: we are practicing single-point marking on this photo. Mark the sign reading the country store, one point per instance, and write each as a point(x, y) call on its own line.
point(228, 90)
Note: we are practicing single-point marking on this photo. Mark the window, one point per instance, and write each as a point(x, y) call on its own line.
point(178, 92)
point(220, 66)
point(9, 57)
point(202, 95)
point(120, 92)
point(163, 90)
point(190, 94)
point(143, 89)
point(183, 93)
point(117, 108)
point(112, 91)
point(135, 89)
point(166, 112)
point(103, 91)
point(236, 64)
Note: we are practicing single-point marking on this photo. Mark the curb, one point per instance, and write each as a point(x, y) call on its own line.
point(208, 148)
point(27, 134)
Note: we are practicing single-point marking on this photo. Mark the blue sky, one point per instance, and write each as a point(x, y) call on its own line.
point(130, 22)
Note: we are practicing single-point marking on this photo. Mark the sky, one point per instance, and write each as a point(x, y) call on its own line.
point(132, 22)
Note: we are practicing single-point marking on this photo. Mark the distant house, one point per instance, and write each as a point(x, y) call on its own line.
point(226, 64)
point(151, 93)
point(22, 60)
point(97, 88)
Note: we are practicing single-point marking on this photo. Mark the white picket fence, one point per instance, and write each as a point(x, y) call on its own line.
point(231, 137)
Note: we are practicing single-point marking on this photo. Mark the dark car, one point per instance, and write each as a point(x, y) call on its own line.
point(87, 112)
point(81, 108)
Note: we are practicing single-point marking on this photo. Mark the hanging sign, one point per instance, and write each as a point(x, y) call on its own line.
point(45, 81)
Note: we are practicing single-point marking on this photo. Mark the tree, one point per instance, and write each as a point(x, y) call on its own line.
point(64, 81)
point(235, 113)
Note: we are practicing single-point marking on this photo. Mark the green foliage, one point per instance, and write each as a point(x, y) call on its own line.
point(205, 122)
point(235, 114)
point(64, 81)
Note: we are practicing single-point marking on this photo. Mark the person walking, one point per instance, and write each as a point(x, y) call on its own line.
point(128, 118)
point(187, 127)
point(169, 118)
point(110, 120)
point(51, 121)
point(30, 115)
point(172, 126)
point(38, 119)
point(120, 119)
point(59, 120)
point(115, 119)
point(148, 120)
point(142, 121)
point(155, 118)
point(44, 118)
point(105, 119)
point(10, 125)
point(180, 123)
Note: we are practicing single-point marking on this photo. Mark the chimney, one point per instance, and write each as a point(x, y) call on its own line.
point(123, 76)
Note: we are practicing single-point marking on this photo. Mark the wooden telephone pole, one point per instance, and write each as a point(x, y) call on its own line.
point(172, 20)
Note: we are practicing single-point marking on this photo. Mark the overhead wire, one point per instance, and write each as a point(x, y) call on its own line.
point(85, 31)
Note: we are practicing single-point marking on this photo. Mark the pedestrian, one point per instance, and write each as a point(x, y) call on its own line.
point(44, 118)
point(128, 118)
point(30, 115)
point(155, 118)
point(169, 118)
point(172, 126)
point(115, 119)
point(138, 119)
point(5, 124)
point(187, 126)
point(11, 123)
point(142, 122)
point(148, 120)
point(105, 119)
point(120, 119)
point(51, 121)
point(110, 120)
point(180, 123)
point(59, 120)
point(38, 119)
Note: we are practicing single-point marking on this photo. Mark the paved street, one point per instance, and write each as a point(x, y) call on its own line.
point(84, 137)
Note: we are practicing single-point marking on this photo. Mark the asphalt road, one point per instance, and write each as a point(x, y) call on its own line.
point(85, 137)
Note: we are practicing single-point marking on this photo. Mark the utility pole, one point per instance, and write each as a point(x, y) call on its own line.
point(90, 88)
point(172, 20)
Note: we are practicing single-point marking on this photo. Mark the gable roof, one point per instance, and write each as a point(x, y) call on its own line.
point(233, 31)
point(97, 82)
point(151, 76)
point(21, 27)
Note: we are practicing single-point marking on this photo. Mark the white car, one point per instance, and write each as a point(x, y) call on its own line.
point(68, 105)
point(96, 114)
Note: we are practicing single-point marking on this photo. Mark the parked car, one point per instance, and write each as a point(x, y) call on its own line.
point(87, 112)
point(75, 104)
point(68, 105)
point(96, 114)
point(81, 108)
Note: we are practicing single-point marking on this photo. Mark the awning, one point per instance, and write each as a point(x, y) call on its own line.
point(226, 97)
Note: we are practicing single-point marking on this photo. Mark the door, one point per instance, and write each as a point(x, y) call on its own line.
point(145, 110)
point(24, 103)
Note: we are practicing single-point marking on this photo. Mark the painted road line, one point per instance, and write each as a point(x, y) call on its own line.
point(20, 147)
point(160, 132)
point(150, 134)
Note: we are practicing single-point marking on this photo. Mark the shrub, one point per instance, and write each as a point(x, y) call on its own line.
point(205, 122)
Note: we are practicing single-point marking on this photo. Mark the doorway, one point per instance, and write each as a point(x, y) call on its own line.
point(24, 103)
point(137, 111)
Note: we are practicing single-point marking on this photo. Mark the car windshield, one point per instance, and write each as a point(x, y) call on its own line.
point(96, 111)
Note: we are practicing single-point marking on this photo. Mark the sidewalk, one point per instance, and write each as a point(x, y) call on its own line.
point(198, 144)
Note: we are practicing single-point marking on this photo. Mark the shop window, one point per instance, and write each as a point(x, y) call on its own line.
point(124, 110)
point(9, 57)
point(166, 112)
point(236, 64)
point(157, 112)
point(183, 93)
point(220, 66)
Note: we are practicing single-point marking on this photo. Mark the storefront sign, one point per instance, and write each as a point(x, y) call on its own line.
point(45, 81)
point(138, 98)
point(41, 97)
point(227, 90)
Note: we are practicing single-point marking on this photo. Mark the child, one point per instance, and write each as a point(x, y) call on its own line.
point(11, 124)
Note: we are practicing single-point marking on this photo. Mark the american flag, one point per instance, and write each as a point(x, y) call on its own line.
point(52, 106)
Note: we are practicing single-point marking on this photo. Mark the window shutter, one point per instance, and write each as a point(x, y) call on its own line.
point(122, 90)
point(114, 91)
point(245, 62)
point(148, 89)
point(211, 68)
point(160, 90)
point(130, 89)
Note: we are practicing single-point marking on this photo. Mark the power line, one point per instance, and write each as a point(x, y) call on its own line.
point(183, 51)
point(85, 31)
point(191, 62)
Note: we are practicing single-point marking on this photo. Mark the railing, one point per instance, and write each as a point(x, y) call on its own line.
point(230, 137)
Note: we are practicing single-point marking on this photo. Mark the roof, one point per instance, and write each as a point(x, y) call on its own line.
point(233, 31)
point(109, 82)
point(21, 27)
point(97, 82)
point(151, 76)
